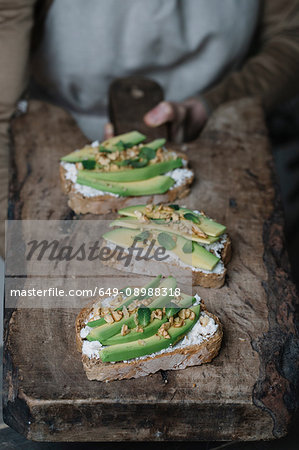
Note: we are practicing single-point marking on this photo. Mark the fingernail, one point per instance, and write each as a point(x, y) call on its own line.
point(158, 115)
point(109, 130)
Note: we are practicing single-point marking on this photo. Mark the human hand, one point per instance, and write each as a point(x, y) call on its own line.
point(186, 118)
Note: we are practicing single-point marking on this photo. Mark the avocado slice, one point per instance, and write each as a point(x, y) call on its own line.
point(143, 173)
point(153, 327)
point(104, 332)
point(89, 153)
point(156, 185)
point(156, 144)
point(147, 346)
point(199, 258)
point(133, 137)
point(85, 154)
point(207, 225)
point(133, 223)
point(152, 284)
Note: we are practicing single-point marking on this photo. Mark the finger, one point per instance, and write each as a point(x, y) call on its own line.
point(162, 113)
point(108, 130)
point(178, 124)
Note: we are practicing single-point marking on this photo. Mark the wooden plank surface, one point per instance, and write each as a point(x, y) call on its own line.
point(246, 392)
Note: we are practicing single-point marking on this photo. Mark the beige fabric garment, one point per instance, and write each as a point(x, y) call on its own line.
point(16, 19)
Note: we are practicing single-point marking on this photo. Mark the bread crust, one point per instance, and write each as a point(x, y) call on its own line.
point(104, 204)
point(178, 359)
point(151, 268)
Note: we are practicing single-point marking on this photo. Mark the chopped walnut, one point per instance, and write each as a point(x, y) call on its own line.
point(158, 314)
point(124, 330)
point(117, 315)
point(204, 320)
point(139, 329)
point(182, 314)
point(108, 318)
point(192, 315)
point(198, 232)
point(125, 312)
point(104, 160)
point(179, 323)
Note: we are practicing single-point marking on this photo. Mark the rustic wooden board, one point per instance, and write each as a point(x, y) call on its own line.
point(247, 391)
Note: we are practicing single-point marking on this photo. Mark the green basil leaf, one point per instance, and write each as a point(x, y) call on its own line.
point(142, 236)
point(139, 163)
point(175, 207)
point(143, 316)
point(192, 217)
point(188, 247)
point(171, 309)
point(166, 241)
point(104, 149)
point(147, 153)
point(89, 164)
point(120, 146)
point(125, 162)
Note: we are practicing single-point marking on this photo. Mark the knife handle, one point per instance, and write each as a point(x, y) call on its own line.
point(129, 100)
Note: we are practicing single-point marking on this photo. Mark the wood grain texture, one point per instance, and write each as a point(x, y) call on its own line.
point(247, 392)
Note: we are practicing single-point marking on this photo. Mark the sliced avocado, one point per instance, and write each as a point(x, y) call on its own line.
point(154, 326)
point(130, 210)
point(104, 332)
point(133, 223)
point(207, 225)
point(121, 236)
point(85, 154)
point(149, 345)
point(143, 173)
point(199, 258)
point(134, 335)
point(152, 284)
point(156, 144)
point(169, 284)
point(133, 137)
point(156, 185)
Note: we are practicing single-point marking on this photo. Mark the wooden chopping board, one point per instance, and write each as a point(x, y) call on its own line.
point(242, 393)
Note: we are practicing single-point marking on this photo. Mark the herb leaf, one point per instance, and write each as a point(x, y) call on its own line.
point(171, 309)
point(175, 207)
point(166, 241)
point(147, 153)
point(104, 149)
point(89, 164)
point(188, 247)
point(192, 217)
point(139, 163)
point(142, 236)
point(143, 316)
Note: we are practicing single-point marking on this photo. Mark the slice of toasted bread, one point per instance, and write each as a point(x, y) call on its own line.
point(177, 358)
point(213, 279)
point(106, 203)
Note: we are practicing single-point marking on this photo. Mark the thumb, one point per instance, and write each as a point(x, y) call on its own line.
point(162, 113)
